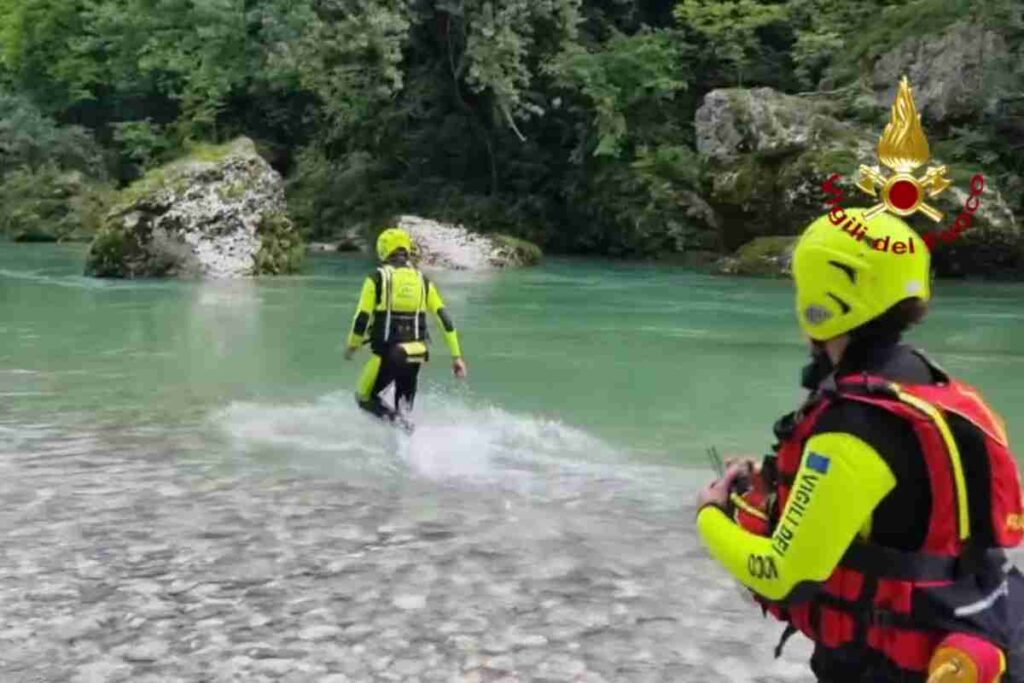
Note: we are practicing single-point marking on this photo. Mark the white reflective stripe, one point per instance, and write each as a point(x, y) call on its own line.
point(388, 300)
point(420, 306)
point(984, 603)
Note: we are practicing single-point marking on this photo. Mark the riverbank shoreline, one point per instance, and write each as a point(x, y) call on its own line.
point(699, 262)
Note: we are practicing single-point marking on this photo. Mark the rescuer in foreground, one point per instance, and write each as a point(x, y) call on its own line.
point(877, 525)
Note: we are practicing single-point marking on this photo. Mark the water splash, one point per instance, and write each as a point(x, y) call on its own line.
point(457, 440)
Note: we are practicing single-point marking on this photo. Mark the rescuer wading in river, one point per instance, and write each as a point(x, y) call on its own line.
point(391, 315)
point(876, 526)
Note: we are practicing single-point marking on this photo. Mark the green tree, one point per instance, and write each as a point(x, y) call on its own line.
point(30, 139)
point(350, 57)
point(630, 77)
point(731, 27)
point(34, 35)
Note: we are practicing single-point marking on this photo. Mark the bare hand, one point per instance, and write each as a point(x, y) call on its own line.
point(459, 368)
point(753, 472)
point(717, 492)
point(350, 352)
point(751, 464)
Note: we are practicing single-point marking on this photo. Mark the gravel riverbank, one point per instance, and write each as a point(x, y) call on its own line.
point(126, 566)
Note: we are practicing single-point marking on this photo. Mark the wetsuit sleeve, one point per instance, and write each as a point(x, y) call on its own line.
point(436, 305)
point(840, 482)
point(364, 311)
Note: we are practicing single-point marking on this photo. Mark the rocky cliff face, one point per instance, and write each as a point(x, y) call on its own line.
point(768, 155)
point(218, 213)
point(956, 74)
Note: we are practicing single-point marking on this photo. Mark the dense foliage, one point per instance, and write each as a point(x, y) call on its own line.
point(569, 122)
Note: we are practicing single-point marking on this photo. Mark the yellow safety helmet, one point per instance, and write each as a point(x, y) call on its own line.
point(391, 240)
point(849, 270)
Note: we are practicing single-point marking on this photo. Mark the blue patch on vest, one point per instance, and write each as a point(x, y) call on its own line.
point(818, 463)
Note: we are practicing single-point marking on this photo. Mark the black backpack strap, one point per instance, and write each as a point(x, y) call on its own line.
point(849, 386)
point(894, 564)
point(938, 372)
point(378, 283)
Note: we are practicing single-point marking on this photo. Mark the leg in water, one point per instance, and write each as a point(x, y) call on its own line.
point(391, 367)
point(406, 381)
point(378, 375)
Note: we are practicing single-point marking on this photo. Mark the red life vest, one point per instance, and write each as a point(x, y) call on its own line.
point(872, 598)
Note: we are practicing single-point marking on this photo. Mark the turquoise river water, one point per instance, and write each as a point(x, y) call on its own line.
point(655, 362)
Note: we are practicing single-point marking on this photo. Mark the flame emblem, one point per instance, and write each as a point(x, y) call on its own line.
point(903, 148)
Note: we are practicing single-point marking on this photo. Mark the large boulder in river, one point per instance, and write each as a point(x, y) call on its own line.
point(762, 256)
point(769, 154)
point(217, 213)
point(444, 245)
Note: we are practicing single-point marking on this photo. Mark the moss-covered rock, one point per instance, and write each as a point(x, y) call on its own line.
point(110, 253)
point(513, 251)
point(769, 155)
point(281, 248)
point(218, 212)
point(763, 256)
